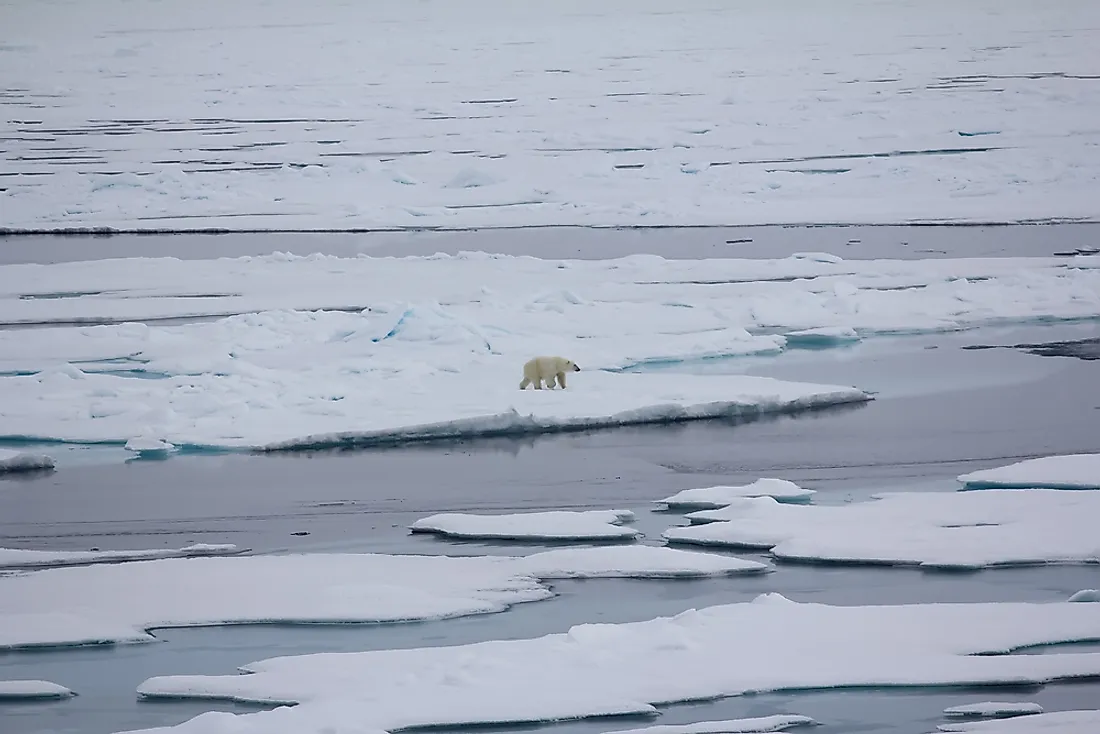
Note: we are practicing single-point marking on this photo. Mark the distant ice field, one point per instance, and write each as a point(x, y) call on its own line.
point(277, 115)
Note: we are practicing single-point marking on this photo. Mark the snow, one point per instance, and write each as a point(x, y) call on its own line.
point(20, 461)
point(721, 496)
point(327, 351)
point(1056, 722)
point(778, 722)
point(556, 525)
point(1073, 471)
point(701, 113)
point(931, 529)
point(1085, 595)
point(19, 558)
point(22, 690)
point(604, 669)
point(994, 709)
point(317, 588)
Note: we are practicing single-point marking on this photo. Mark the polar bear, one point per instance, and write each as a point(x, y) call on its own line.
point(547, 368)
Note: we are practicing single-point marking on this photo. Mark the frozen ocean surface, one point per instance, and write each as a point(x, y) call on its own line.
point(139, 116)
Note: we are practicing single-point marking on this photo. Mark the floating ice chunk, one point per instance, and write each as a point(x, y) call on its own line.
point(1072, 471)
point(824, 336)
point(556, 525)
point(778, 722)
point(713, 497)
point(932, 529)
point(818, 257)
point(639, 561)
point(19, 558)
point(149, 446)
point(22, 690)
point(1056, 722)
point(20, 461)
point(627, 668)
point(320, 588)
point(1086, 595)
point(994, 709)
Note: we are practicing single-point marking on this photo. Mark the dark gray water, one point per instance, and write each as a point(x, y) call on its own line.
point(855, 242)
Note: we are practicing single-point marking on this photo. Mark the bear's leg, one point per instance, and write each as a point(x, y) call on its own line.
point(561, 380)
point(538, 383)
point(523, 385)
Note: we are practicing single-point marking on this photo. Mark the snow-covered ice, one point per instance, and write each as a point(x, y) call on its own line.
point(932, 529)
point(555, 525)
point(994, 709)
point(1072, 471)
point(777, 722)
point(327, 350)
point(145, 446)
point(698, 113)
point(721, 496)
point(20, 461)
point(1055, 722)
point(25, 690)
point(1085, 595)
point(602, 669)
point(20, 558)
point(120, 603)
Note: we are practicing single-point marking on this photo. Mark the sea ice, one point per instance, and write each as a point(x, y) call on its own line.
point(1085, 595)
point(721, 496)
point(20, 461)
point(932, 529)
point(22, 690)
point(989, 117)
point(778, 722)
point(1055, 722)
point(143, 446)
point(824, 336)
point(602, 669)
point(11, 558)
point(103, 604)
point(1073, 471)
point(326, 351)
point(994, 709)
point(554, 526)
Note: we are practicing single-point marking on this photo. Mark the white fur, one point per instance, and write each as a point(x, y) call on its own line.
point(547, 369)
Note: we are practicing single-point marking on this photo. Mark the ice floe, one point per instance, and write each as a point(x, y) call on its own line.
point(11, 558)
point(1072, 471)
point(778, 722)
point(598, 669)
point(22, 461)
point(994, 709)
point(30, 690)
point(556, 525)
point(989, 118)
point(931, 529)
point(1055, 722)
point(120, 603)
point(326, 351)
point(721, 496)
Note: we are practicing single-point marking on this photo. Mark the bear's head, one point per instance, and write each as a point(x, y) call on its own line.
point(572, 365)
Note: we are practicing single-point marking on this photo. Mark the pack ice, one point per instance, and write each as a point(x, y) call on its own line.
point(720, 496)
point(1055, 722)
point(30, 690)
point(989, 117)
point(603, 669)
point(120, 603)
point(1072, 471)
point(930, 529)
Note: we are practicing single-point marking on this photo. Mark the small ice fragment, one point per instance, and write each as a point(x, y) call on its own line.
point(819, 257)
point(29, 690)
point(1086, 595)
point(143, 445)
point(759, 725)
point(555, 526)
point(20, 461)
point(994, 709)
point(721, 496)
